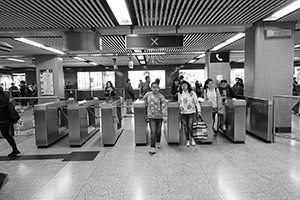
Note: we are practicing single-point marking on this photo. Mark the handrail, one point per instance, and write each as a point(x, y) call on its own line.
point(286, 96)
point(40, 97)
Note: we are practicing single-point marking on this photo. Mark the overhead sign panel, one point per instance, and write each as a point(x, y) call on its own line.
point(153, 41)
point(219, 57)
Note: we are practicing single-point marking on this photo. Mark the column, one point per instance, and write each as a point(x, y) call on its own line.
point(54, 65)
point(217, 66)
point(269, 62)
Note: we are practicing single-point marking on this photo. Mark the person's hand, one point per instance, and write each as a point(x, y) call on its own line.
point(199, 114)
point(181, 108)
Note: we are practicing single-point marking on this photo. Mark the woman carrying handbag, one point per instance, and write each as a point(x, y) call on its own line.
point(5, 121)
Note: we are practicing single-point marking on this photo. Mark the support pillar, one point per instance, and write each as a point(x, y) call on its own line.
point(217, 65)
point(269, 62)
point(50, 64)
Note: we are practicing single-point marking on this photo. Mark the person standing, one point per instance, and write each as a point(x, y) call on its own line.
point(109, 92)
point(225, 92)
point(14, 91)
point(175, 88)
point(129, 96)
point(146, 86)
point(69, 90)
point(295, 83)
point(140, 86)
point(212, 94)
point(25, 92)
point(189, 107)
point(5, 123)
point(156, 106)
point(198, 89)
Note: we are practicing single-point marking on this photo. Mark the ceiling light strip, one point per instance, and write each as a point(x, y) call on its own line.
point(120, 11)
point(17, 60)
point(228, 41)
point(284, 11)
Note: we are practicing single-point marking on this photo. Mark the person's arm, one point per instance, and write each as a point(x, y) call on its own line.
point(145, 98)
point(197, 104)
point(205, 94)
point(219, 99)
point(164, 108)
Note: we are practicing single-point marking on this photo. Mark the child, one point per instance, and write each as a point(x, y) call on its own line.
point(189, 107)
point(157, 113)
point(211, 93)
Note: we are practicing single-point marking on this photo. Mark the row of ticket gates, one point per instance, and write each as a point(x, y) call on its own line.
point(80, 120)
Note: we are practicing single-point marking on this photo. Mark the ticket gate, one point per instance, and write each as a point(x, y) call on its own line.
point(84, 121)
point(112, 126)
point(235, 115)
point(172, 132)
point(140, 125)
point(51, 123)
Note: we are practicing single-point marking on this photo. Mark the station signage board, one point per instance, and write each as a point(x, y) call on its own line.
point(216, 57)
point(153, 41)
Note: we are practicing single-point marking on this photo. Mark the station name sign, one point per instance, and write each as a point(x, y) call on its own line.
point(153, 41)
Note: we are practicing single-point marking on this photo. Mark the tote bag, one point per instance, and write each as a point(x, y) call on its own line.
point(199, 129)
point(13, 114)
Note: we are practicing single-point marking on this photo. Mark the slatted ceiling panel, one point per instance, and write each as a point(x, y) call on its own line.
point(294, 16)
point(33, 14)
point(191, 12)
point(169, 59)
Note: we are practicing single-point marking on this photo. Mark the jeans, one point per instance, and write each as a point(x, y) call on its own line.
point(155, 127)
point(129, 103)
point(187, 120)
point(9, 138)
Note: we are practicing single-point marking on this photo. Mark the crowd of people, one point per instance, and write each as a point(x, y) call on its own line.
point(24, 90)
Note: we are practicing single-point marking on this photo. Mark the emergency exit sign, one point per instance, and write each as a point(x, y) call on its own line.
point(153, 41)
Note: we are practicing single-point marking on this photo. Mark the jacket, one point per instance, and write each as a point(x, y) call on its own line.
point(4, 116)
point(129, 94)
point(156, 105)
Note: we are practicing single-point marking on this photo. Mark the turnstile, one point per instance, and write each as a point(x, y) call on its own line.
point(51, 123)
point(206, 110)
point(235, 111)
point(83, 120)
point(140, 125)
point(111, 122)
point(172, 132)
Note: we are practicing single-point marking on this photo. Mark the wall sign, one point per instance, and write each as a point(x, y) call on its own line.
point(219, 57)
point(46, 82)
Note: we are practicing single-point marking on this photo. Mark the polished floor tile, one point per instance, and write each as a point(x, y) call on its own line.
point(219, 171)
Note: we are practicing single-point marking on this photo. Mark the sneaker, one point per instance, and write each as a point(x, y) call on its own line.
point(3, 179)
point(193, 142)
point(152, 150)
point(14, 153)
point(188, 143)
point(158, 145)
point(224, 127)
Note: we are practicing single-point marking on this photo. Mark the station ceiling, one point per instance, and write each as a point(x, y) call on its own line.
point(203, 23)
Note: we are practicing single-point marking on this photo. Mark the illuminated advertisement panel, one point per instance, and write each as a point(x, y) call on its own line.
point(234, 73)
point(193, 75)
point(136, 76)
point(5, 81)
point(17, 77)
point(96, 80)
point(83, 79)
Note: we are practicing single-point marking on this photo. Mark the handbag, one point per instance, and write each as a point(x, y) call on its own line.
point(199, 129)
point(13, 114)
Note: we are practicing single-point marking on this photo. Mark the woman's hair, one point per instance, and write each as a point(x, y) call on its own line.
point(111, 85)
point(175, 79)
point(127, 80)
point(189, 87)
point(206, 83)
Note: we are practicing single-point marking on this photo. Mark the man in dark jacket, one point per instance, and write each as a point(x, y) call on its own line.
point(25, 92)
point(129, 96)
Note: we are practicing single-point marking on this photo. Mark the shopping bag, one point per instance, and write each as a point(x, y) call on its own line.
point(13, 114)
point(199, 129)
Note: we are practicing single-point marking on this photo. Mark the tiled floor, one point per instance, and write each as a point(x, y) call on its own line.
point(222, 170)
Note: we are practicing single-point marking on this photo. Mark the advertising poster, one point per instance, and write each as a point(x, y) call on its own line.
point(46, 82)
point(193, 75)
point(5, 81)
point(136, 76)
point(108, 76)
point(297, 73)
point(83, 79)
point(17, 77)
point(96, 80)
point(234, 73)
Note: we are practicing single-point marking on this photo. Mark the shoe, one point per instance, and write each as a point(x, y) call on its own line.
point(193, 142)
point(3, 179)
point(131, 112)
point(224, 127)
point(158, 145)
point(152, 150)
point(14, 153)
point(188, 143)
